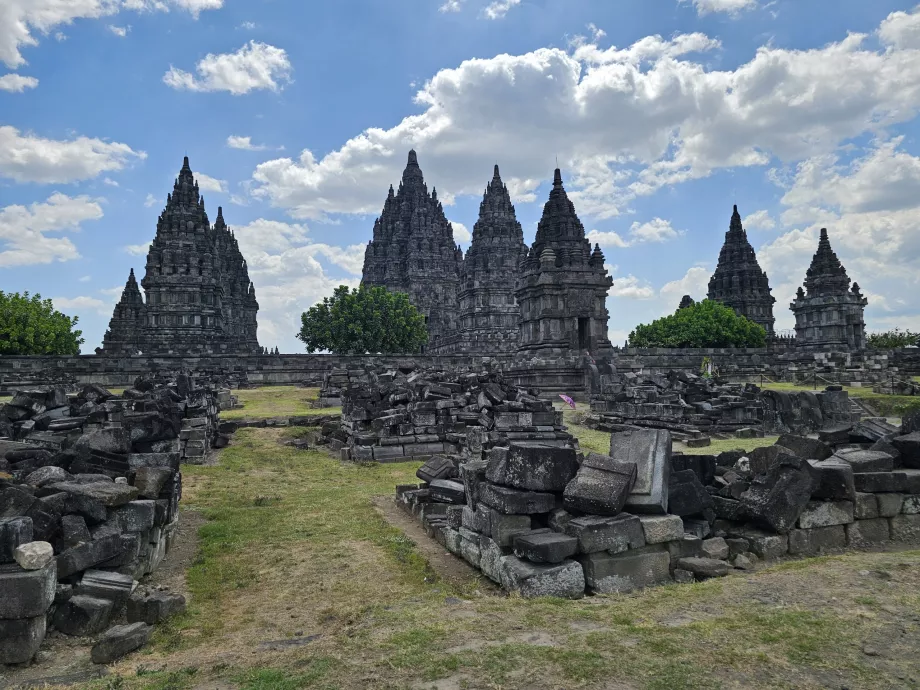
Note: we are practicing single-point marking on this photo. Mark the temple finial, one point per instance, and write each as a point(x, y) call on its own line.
point(557, 178)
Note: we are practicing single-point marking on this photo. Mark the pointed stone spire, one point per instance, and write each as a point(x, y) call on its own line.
point(412, 176)
point(826, 275)
point(128, 321)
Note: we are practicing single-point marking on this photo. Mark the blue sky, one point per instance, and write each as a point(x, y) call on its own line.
point(298, 115)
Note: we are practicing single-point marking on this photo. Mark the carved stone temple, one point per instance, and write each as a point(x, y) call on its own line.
point(739, 281)
point(828, 313)
point(413, 251)
point(563, 285)
point(199, 298)
point(490, 319)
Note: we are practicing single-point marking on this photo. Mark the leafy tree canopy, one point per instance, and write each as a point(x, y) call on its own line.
point(889, 340)
point(30, 325)
point(366, 319)
point(703, 324)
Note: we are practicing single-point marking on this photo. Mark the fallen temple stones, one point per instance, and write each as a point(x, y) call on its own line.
point(548, 521)
point(199, 296)
point(89, 500)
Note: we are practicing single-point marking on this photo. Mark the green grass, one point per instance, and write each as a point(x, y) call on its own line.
point(277, 401)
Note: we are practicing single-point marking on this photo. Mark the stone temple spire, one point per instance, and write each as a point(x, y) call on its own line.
point(125, 333)
point(489, 315)
point(563, 288)
point(413, 251)
point(828, 314)
point(738, 281)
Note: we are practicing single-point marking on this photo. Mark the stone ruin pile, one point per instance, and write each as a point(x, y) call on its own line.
point(545, 521)
point(403, 414)
point(805, 412)
point(89, 499)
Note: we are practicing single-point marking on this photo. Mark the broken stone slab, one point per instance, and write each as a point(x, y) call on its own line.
point(87, 554)
point(565, 580)
point(804, 447)
point(544, 546)
point(135, 516)
point(871, 429)
point(149, 481)
point(909, 447)
point(82, 615)
point(715, 548)
point(510, 501)
point(120, 641)
point(650, 451)
point(34, 556)
point(156, 606)
point(863, 461)
point(835, 435)
point(106, 585)
point(14, 532)
point(490, 556)
point(162, 460)
point(447, 491)
point(48, 475)
point(863, 533)
point(777, 498)
point(437, 467)
point(686, 495)
point(111, 440)
point(21, 638)
point(109, 494)
point(26, 593)
point(812, 541)
point(705, 568)
point(689, 546)
point(601, 486)
point(603, 533)
point(826, 514)
point(532, 466)
point(606, 573)
point(696, 527)
point(659, 529)
point(835, 480)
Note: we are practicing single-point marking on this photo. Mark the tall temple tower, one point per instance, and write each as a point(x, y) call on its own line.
point(490, 319)
point(830, 315)
point(199, 296)
point(739, 282)
point(126, 328)
point(563, 288)
point(413, 251)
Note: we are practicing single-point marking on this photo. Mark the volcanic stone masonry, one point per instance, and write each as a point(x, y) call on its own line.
point(545, 521)
point(199, 296)
point(89, 501)
point(739, 282)
point(830, 315)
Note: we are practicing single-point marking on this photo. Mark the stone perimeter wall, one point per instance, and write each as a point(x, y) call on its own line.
point(566, 375)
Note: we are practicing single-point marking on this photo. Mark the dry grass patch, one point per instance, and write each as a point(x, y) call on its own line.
point(275, 401)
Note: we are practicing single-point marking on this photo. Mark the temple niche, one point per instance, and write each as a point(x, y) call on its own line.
point(829, 314)
point(413, 251)
point(739, 282)
point(490, 320)
point(563, 286)
point(199, 298)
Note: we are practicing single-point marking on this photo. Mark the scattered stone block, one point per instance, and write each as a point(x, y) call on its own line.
point(808, 542)
point(743, 561)
point(835, 480)
point(515, 502)
point(149, 481)
point(804, 447)
point(737, 545)
point(777, 498)
point(120, 641)
point(880, 482)
point(600, 533)
point(34, 556)
point(715, 548)
point(889, 505)
point(863, 533)
point(686, 495)
point(21, 638)
point(136, 516)
point(532, 466)
point(48, 475)
point(705, 568)
point(105, 585)
point(865, 506)
point(544, 546)
point(82, 616)
point(601, 486)
point(826, 514)
point(871, 429)
point(865, 460)
point(909, 447)
point(650, 451)
point(661, 528)
point(490, 559)
point(447, 491)
point(109, 494)
point(696, 527)
point(767, 546)
point(26, 593)
point(469, 549)
point(14, 532)
point(504, 528)
point(437, 467)
point(635, 569)
point(905, 528)
point(683, 577)
point(566, 580)
point(87, 554)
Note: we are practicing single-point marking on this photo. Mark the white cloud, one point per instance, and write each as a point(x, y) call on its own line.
point(656, 230)
point(194, 7)
point(249, 26)
point(695, 283)
point(206, 183)
point(151, 200)
point(901, 30)
point(759, 220)
point(23, 239)
point(606, 239)
point(137, 249)
point(85, 279)
point(462, 235)
point(120, 31)
point(72, 306)
point(29, 158)
point(110, 182)
point(625, 122)
point(17, 83)
point(254, 66)
point(451, 6)
point(731, 7)
point(243, 143)
point(499, 8)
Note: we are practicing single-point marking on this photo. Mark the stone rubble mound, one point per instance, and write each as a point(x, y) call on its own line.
point(549, 521)
point(89, 499)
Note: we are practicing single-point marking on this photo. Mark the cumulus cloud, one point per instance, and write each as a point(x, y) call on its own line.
point(901, 30)
point(30, 158)
point(206, 183)
point(499, 8)
point(76, 305)
point(253, 67)
point(462, 235)
point(137, 249)
point(759, 220)
point(451, 6)
point(731, 7)
point(23, 229)
point(695, 282)
point(17, 83)
point(606, 239)
point(120, 31)
point(243, 143)
point(151, 200)
point(656, 230)
point(625, 122)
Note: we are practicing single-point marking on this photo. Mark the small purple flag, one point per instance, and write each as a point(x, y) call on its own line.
point(571, 403)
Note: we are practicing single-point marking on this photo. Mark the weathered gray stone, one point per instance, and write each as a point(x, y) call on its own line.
point(614, 534)
point(650, 450)
point(866, 460)
point(911, 505)
point(889, 505)
point(120, 641)
point(105, 585)
point(83, 615)
point(686, 495)
point(136, 516)
point(48, 475)
point(716, 548)
point(437, 467)
point(826, 514)
point(566, 579)
point(14, 531)
point(21, 638)
point(905, 528)
point(661, 528)
point(864, 533)
point(835, 480)
point(705, 568)
point(909, 447)
point(777, 499)
point(149, 481)
point(809, 542)
point(635, 569)
point(532, 466)
point(880, 482)
point(743, 561)
point(447, 491)
point(504, 528)
point(34, 556)
point(544, 546)
point(469, 549)
point(87, 554)
point(108, 494)
point(804, 447)
point(689, 546)
point(865, 507)
point(26, 593)
point(767, 546)
point(601, 486)
point(515, 502)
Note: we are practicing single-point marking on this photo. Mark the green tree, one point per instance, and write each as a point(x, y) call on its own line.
point(703, 324)
point(890, 340)
point(30, 325)
point(362, 320)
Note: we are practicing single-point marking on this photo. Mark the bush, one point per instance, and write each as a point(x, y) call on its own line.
point(367, 319)
point(704, 324)
point(30, 325)
point(890, 340)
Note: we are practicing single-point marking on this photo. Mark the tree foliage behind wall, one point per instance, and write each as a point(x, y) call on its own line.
point(30, 325)
point(367, 319)
point(703, 324)
point(890, 340)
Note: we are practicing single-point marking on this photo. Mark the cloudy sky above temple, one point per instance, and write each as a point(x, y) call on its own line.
point(297, 116)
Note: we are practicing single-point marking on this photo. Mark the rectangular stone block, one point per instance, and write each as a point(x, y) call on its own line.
point(504, 528)
point(905, 528)
point(21, 638)
point(911, 505)
point(826, 514)
point(26, 593)
point(659, 529)
point(544, 546)
point(532, 466)
point(514, 502)
point(606, 573)
point(864, 533)
point(650, 450)
point(601, 487)
point(599, 533)
point(880, 482)
point(14, 532)
point(865, 507)
point(767, 546)
point(889, 505)
point(808, 542)
point(530, 580)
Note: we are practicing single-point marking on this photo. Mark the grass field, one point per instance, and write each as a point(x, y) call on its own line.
point(277, 401)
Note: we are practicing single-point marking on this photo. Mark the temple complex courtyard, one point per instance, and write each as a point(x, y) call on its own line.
point(301, 572)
